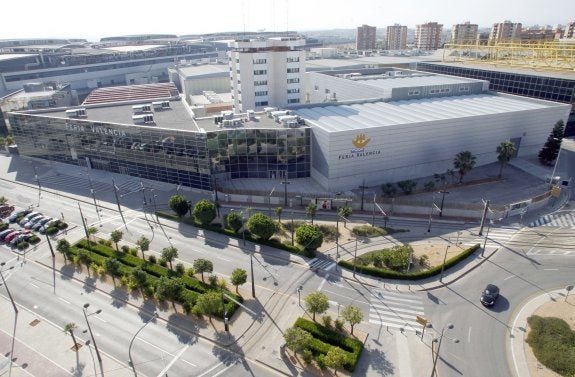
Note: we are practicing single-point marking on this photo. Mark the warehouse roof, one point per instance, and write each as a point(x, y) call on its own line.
point(344, 117)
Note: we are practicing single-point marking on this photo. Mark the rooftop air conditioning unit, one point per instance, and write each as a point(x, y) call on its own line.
point(76, 113)
point(161, 105)
point(277, 114)
point(138, 109)
point(250, 114)
point(227, 114)
point(218, 119)
point(268, 110)
point(143, 118)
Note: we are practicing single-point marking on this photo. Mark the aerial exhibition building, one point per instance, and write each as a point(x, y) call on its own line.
point(362, 125)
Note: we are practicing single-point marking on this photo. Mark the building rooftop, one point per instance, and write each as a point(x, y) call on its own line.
point(383, 81)
point(509, 69)
point(129, 48)
point(261, 120)
point(335, 118)
point(205, 70)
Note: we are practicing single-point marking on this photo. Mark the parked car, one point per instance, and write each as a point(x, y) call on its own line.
point(6, 232)
point(12, 235)
point(29, 217)
point(489, 295)
point(40, 224)
point(13, 217)
point(20, 238)
point(33, 221)
point(53, 222)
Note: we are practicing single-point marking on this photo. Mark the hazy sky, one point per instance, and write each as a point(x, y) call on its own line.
point(95, 19)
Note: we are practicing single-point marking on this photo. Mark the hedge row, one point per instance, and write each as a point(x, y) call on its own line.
point(389, 274)
point(325, 338)
point(273, 242)
point(193, 287)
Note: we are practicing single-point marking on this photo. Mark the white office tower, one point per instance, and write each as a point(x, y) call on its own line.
point(266, 73)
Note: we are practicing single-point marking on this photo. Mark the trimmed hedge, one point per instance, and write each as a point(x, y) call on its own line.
point(193, 287)
point(389, 274)
point(325, 338)
point(273, 242)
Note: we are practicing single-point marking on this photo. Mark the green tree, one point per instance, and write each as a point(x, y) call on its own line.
point(169, 254)
point(463, 162)
point(144, 244)
point(168, 289)
point(335, 358)
point(316, 303)
point(388, 189)
point(205, 211)
point(297, 339)
point(139, 277)
point(311, 211)
point(203, 265)
point(235, 221)
point(406, 186)
point(239, 277)
point(505, 152)
point(279, 211)
point(209, 303)
point(345, 213)
point(353, 315)
point(91, 231)
point(63, 246)
point(179, 204)
point(112, 266)
point(116, 236)
point(261, 226)
point(309, 236)
point(69, 328)
point(550, 150)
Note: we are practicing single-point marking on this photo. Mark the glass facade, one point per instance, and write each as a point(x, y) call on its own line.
point(534, 86)
point(175, 156)
point(261, 153)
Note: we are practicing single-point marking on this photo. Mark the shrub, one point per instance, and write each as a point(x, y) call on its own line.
point(102, 241)
point(34, 239)
point(552, 342)
point(163, 262)
point(213, 280)
point(368, 231)
point(307, 356)
point(326, 320)
point(338, 323)
point(429, 186)
point(22, 245)
point(125, 249)
point(51, 230)
point(320, 361)
point(152, 259)
point(423, 260)
point(180, 269)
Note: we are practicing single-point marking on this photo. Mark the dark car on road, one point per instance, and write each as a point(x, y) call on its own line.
point(489, 295)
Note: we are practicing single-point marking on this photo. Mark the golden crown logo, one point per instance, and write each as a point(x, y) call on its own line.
point(360, 141)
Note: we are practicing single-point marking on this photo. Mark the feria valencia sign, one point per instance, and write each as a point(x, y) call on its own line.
point(359, 151)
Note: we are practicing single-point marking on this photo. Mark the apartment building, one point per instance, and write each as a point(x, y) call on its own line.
point(266, 72)
point(428, 35)
point(365, 38)
point(465, 33)
point(396, 37)
point(505, 30)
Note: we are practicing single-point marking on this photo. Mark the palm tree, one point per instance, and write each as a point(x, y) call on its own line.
point(505, 152)
point(464, 161)
point(70, 327)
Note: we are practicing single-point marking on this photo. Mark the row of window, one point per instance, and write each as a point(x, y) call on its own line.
point(261, 93)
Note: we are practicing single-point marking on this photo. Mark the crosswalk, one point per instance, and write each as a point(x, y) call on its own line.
point(395, 309)
point(69, 181)
point(321, 264)
point(564, 220)
point(499, 235)
point(551, 252)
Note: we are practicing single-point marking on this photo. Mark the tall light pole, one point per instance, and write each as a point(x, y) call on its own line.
point(486, 235)
point(449, 326)
point(554, 167)
point(86, 315)
point(15, 316)
point(443, 265)
point(433, 205)
point(354, 259)
point(442, 192)
point(131, 362)
point(285, 183)
point(362, 187)
point(299, 289)
point(485, 209)
point(53, 261)
point(119, 208)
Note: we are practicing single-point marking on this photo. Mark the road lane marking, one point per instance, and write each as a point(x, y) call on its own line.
point(176, 357)
point(469, 335)
point(66, 301)
point(550, 269)
point(509, 277)
point(163, 350)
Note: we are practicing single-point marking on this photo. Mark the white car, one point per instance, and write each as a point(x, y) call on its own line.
point(33, 221)
point(50, 223)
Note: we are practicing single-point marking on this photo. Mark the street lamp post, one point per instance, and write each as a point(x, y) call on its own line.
point(449, 326)
point(285, 183)
point(299, 289)
point(131, 362)
point(15, 316)
point(554, 167)
point(86, 315)
point(443, 265)
point(354, 258)
point(93, 192)
point(119, 207)
point(53, 261)
point(442, 192)
point(431, 214)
